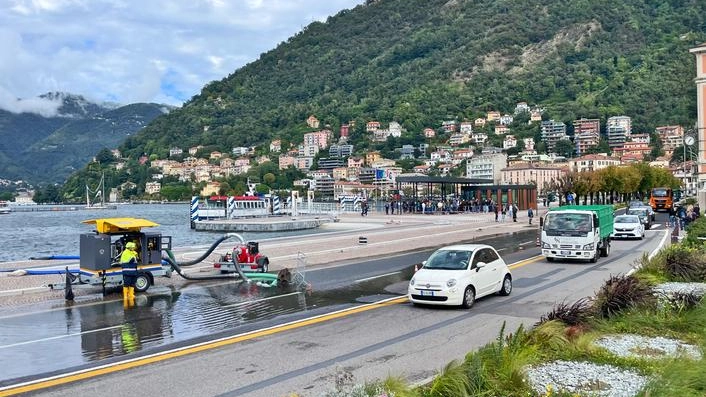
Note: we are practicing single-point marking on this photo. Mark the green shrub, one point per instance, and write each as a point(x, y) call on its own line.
point(695, 230)
point(682, 263)
point(452, 381)
point(619, 293)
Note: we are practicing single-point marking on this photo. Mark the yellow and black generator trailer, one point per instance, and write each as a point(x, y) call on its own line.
point(100, 252)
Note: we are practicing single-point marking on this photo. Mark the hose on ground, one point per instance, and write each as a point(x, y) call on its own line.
point(177, 268)
point(210, 249)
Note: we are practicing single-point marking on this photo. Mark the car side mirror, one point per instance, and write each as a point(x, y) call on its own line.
point(480, 265)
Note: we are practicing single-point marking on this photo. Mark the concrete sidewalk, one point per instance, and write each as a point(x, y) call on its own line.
point(385, 235)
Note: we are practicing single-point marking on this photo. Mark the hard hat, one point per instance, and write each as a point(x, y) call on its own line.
point(130, 245)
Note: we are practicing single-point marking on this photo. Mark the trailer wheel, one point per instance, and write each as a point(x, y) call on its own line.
point(263, 264)
point(143, 282)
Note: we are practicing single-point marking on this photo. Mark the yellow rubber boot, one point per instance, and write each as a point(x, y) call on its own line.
point(131, 293)
point(126, 293)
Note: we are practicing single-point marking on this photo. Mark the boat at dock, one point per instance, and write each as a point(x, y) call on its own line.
point(5, 208)
point(99, 191)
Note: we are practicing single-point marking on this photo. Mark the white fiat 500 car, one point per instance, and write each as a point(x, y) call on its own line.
point(628, 226)
point(458, 275)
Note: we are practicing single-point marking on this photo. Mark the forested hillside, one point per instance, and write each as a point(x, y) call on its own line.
point(47, 149)
point(419, 62)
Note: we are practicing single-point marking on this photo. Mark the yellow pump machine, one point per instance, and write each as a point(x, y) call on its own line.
point(100, 252)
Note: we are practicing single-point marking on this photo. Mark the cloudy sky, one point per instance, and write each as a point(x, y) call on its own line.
point(129, 51)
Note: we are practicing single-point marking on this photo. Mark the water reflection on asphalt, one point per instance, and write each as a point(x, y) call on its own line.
point(78, 334)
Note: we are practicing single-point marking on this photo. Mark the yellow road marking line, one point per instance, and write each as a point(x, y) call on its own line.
point(163, 356)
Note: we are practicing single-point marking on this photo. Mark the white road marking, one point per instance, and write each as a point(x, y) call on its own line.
point(374, 277)
point(59, 337)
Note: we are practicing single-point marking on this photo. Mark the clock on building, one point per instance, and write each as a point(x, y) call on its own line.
point(689, 140)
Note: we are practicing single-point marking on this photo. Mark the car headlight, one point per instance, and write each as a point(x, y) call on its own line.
point(546, 245)
point(451, 283)
point(411, 282)
point(588, 246)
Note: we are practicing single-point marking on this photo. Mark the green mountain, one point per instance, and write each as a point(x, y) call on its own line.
point(47, 149)
point(419, 62)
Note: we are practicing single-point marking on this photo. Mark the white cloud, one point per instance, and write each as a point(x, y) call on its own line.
point(41, 106)
point(132, 50)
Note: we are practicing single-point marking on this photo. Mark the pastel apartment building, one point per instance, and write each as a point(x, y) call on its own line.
point(319, 138)
point(587, 133)
point(671, 136)
point(618, 129)
point(525, 174)
point(487, 166)
point(592, 162)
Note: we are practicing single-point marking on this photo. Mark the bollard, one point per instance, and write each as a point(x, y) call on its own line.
point(362, 240)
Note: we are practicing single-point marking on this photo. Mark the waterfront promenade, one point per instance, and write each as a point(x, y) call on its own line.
point(386, 235)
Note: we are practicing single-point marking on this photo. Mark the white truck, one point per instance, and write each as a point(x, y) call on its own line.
point(577, 232)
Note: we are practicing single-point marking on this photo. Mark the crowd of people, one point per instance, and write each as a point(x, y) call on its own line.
point(683, 215)
point(502, 211)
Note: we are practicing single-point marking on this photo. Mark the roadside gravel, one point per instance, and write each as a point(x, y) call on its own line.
point(628, 345)
point(585, 378)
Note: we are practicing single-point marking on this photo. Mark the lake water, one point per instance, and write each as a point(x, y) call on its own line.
point(27, 234)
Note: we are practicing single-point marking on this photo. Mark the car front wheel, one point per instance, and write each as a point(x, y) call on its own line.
point(469, 297)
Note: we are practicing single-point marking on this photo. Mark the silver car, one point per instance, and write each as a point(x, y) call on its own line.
point(650, 210)
point(642, 213)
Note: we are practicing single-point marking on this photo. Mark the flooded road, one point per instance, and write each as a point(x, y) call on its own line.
point(62, 336)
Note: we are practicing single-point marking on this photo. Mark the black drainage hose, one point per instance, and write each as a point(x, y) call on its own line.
point(210, 250)
point(177, 268)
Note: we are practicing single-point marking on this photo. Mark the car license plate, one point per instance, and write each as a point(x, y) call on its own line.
point(427, 293)
point(565, 252)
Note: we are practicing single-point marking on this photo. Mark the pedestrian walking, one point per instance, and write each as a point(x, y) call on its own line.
point(496, 213)
point(514, 213)
point(503, 214)
point(387, 209)
point(530, 214)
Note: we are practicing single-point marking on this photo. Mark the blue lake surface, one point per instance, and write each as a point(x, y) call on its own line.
point(27, 234)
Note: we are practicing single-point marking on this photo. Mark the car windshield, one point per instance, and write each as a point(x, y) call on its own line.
point(449, 260)
point(627, 219)
point(636, 211)
point(568, 222)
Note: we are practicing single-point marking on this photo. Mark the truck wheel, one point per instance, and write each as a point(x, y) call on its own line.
point(595, 256)
point(550, 259)
point(605, 250)
point(263, 264)
point(143, 282)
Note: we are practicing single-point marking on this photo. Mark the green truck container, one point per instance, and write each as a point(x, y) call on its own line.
point(604, 213)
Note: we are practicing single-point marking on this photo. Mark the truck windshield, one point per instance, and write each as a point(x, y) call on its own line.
point(567, 224)
point(660, 193)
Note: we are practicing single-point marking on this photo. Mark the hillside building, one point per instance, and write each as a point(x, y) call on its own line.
point(587, 133)
point(553, 132)
point(618, 129)
point(486, 167)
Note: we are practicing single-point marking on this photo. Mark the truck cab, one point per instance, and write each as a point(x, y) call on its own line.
point(576, 232)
